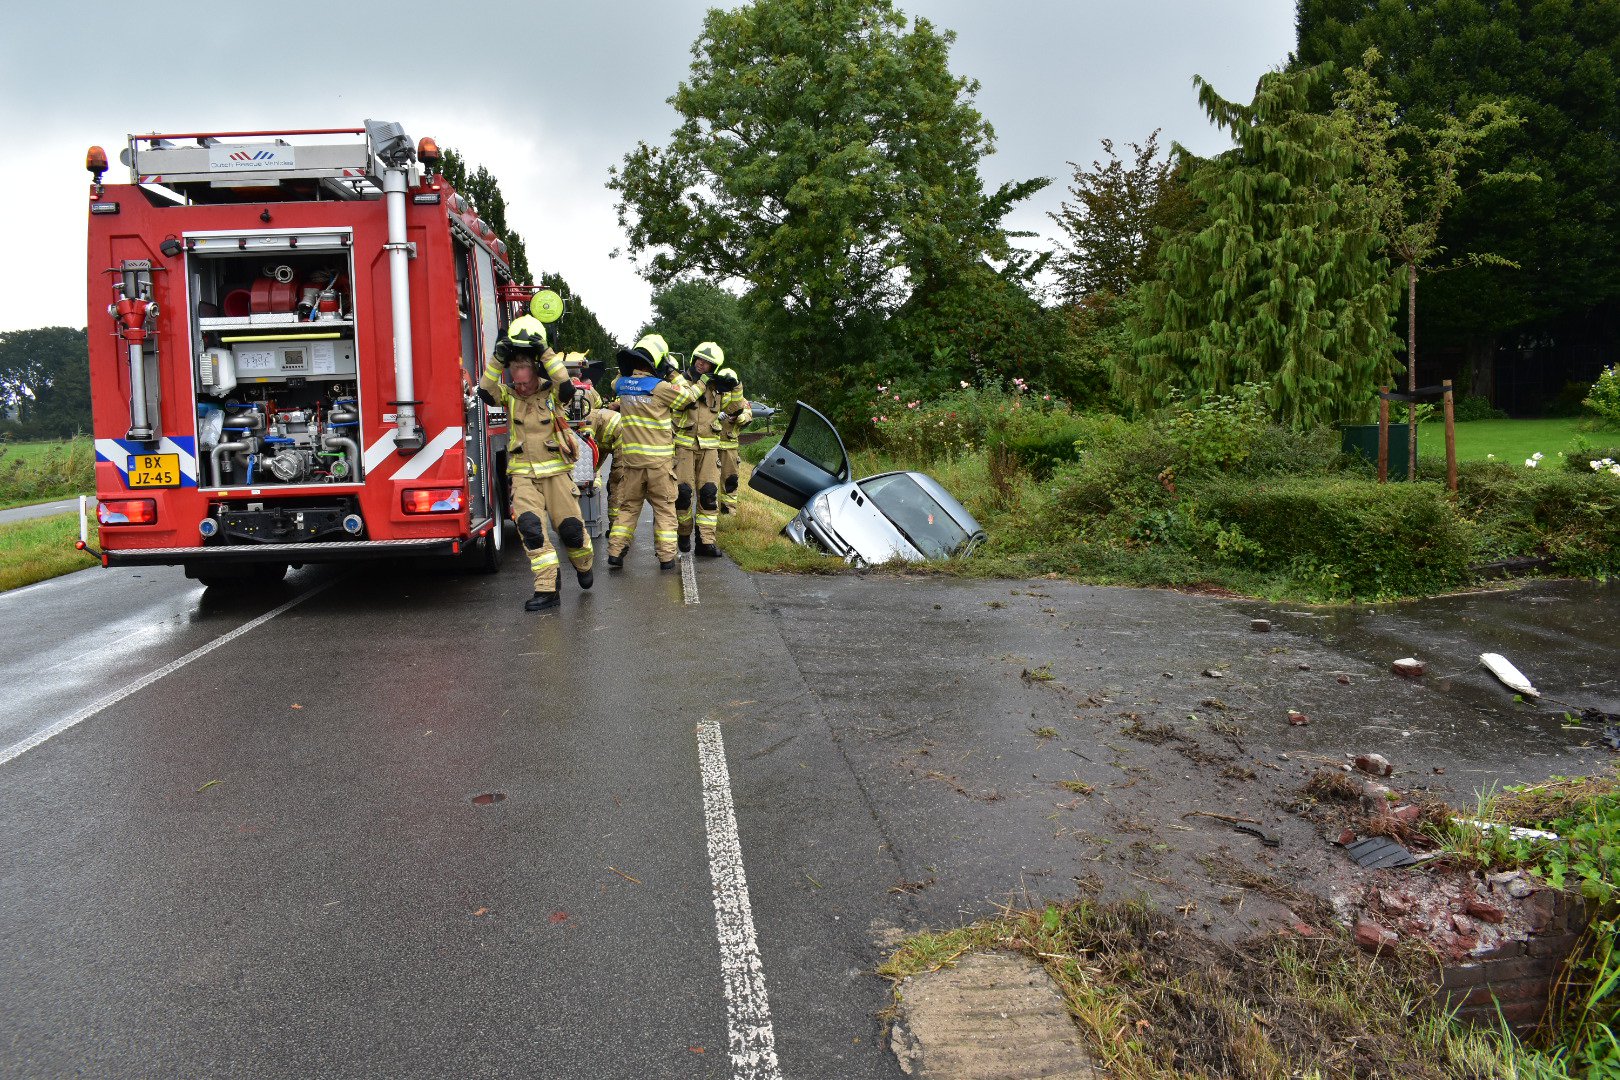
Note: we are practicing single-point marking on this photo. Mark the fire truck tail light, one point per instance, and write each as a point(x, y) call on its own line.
point(432, 500)
point(127, 512)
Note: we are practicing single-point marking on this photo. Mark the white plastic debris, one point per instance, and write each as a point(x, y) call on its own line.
point(1518, 832)
point(1511, 676)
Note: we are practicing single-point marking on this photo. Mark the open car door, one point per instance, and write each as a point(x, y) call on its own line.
point(809, 459)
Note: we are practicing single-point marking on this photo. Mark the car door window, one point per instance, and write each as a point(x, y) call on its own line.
point(916, 514)
point(817, 441)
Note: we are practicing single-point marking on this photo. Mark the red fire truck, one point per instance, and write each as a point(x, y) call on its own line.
point(285, 332)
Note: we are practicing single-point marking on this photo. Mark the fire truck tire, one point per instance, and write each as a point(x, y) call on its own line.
point(491, 548)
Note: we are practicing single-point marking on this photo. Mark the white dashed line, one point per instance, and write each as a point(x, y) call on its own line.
point(748, 1012)
point(16, 750)
point(688, 580)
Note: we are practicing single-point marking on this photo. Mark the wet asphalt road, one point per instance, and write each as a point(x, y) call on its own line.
point(269, 861)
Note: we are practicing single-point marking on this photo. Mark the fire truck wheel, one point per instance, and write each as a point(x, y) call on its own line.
point(491, 548)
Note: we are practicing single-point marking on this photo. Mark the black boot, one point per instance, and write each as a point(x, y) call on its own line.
point(586, 578)
point(541, 601)
point(724, 509)
point(684, 542)
point(615, 562)
point(709, 551)
point(667, 565)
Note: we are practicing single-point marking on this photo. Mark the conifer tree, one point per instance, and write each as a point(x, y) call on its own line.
point(1280, 282)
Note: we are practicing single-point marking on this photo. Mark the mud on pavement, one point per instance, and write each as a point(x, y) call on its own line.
point(1021, 741)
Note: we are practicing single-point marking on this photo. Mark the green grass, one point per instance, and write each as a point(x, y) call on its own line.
point(35, 472)
point(40, 548)
point(1509, 440)
point(31, 453)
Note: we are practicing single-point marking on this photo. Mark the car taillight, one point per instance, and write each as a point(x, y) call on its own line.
point(127, 512)
point(432, 500)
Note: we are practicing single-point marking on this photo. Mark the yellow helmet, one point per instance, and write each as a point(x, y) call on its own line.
point(575, 361)
point(654, 346)
point(527, 332)
point(711, 354)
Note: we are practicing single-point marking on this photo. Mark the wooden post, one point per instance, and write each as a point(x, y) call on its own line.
point(1451, 441)
point(1384, 436)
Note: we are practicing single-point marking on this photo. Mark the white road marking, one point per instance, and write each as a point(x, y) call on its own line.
point(17, 749)
point(748, 1012)
point(689, 591)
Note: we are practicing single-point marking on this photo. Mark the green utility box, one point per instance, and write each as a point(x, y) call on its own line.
point(1362, 440)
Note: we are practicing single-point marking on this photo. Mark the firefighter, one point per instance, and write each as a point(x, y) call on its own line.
point(575, 362)
point(735, 414)
point(697, 456)
point(646, 399)
point(540, 458)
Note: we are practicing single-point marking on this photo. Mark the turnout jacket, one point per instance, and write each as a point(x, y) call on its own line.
point(646, 404)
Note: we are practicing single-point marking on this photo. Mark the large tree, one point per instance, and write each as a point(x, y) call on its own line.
point(827, 159)
point(1114, 218)
point(1556, 63)
point(45, 381)
point(1280, 282)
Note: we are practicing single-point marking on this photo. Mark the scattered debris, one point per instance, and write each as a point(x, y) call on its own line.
point(1211, 673)
point(912, 887)
point(1304, 667)
point(1372, 937)
point(1379, 853)
point(1260, 626)
point(1374, 764)
point(1342, 679)
point(1297, 718)
point(210, 784)
point(1515, 831)
point(1269, 841)
point(627, 877)
point(1510, 676)
point(1410, 667)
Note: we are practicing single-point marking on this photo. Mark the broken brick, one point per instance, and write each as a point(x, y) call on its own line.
point(1410, 667)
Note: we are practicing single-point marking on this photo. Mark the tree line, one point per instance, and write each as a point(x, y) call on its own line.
point(823, 187)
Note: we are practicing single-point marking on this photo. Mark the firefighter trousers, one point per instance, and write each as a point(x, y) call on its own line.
point(697, 492)
point(534, 500)
point(654, 484)
point(730, 466)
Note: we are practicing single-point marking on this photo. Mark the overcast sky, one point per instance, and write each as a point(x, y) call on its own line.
point(548, 96)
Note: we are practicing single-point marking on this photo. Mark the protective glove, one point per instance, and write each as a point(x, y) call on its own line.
point(503, 352)
point(565, 391)
point(665, 370)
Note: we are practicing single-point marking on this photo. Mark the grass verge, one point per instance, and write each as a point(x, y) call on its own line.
point(41, 548)
point(1155, 1001)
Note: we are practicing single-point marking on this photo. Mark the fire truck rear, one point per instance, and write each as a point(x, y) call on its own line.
point(285, 329)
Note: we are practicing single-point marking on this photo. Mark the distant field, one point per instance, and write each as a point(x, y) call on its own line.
point(31, 452)
point(1509, 440)
point(35, 472)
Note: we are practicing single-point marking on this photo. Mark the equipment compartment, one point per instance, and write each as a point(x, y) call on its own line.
point(272, 326)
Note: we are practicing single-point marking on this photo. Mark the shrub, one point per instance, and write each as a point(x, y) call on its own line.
point(1220, 432)
point(1475, 407)
point(1604, 397)
point(1569, 517)
point(1343, 537)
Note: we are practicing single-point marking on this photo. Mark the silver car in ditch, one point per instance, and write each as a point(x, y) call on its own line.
point(893, 515)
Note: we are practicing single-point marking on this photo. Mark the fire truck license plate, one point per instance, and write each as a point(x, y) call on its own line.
point(154, 470)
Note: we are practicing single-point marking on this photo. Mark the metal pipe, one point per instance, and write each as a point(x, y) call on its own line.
point(409, 437)
point(215, 454)
point(140, 425)
point(351, 451)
